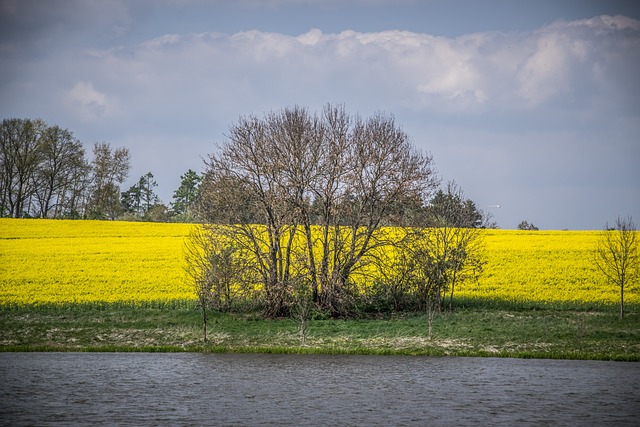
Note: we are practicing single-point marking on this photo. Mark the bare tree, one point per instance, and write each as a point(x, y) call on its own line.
point(109, 169)
point(44, 173)
point(62, 162)
point(381, 167)
point(218, 270)
point(20, 156)
point(241, 189)
point(432, 261)
point(297, 139)
point(357, 171)
point(617, 255)
point(414, 271)
point(329, 179)
point(452, 248)
point(301, 300)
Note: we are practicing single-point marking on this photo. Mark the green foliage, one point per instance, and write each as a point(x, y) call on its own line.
point(186, 195)
point(524, 225)
point(141, 198)
point(452, 209)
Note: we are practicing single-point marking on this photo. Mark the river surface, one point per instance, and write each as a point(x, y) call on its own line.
point(41, 389)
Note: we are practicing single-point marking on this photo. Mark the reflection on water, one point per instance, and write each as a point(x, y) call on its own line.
point(232, 389)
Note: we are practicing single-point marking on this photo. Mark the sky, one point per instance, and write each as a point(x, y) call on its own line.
point(530, 105)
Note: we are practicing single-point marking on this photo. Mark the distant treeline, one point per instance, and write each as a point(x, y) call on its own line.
point(45, 172)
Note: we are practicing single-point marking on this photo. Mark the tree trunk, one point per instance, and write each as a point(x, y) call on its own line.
point(451, 296)
point(204, 324)
point(312, 262)
point(430, 313)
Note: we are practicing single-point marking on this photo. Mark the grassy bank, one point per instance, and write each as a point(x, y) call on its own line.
point(473, 331)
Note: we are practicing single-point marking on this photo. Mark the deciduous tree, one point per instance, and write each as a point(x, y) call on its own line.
point(332, 177)
point(218, 270)
point(42, 170)
point(525, 225)
point(109, 169)
point(451, 249)
point(20, 156)
point(60, 175)
point(618, 255)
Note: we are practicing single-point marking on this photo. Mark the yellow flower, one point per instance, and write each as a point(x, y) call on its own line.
point(55, 261)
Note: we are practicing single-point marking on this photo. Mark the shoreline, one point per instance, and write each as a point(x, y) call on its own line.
point(302, 351)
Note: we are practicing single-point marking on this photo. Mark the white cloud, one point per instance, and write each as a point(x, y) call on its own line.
point(387, 70)
point(545, 73)
point(451, 74)
point(87, 102)
point(312, 38)
point(480, 102)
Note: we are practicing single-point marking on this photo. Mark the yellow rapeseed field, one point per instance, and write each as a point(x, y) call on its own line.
point(545, 266)
point(55, 261)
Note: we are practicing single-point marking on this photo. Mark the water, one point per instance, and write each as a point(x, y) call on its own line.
point(230, 389)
